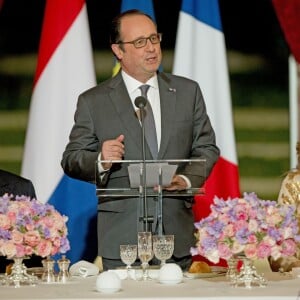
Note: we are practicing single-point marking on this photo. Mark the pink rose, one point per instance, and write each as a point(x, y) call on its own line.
point(47, 222)
point(32, 238)
point(288, 247)
point(252, 214)
point(250, 250)
point(264, 250)
point(44, 248)
point(252, 239)
point(20, 251)
point(12, 216)
point(56, 242)
point(241, 224)
point(4, 222)
point(28, 250)
point(242, 215)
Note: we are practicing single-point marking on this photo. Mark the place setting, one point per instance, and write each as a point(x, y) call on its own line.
point(148, 247)
point(201, 269)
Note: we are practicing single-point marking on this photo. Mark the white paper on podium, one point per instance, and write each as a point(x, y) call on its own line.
point(152, 174)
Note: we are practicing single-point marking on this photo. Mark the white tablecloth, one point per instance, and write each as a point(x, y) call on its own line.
point(279, 287)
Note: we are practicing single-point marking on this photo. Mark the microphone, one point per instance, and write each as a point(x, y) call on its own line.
point(141, 102)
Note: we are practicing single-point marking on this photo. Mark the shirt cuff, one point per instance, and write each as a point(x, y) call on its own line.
point(188, 183)
point(100, 168)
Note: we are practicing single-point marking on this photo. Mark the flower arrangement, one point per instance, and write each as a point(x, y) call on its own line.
point(30, 227)
point(249, 226)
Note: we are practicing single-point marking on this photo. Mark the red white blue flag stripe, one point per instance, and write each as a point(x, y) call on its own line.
point(65, 68)
point(200, 54)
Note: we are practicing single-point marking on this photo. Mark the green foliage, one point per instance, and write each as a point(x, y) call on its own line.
point(279, 135)
point(261, 88)
point(12, 137)
point(263, 166)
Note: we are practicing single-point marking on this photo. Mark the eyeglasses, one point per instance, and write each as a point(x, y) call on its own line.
point(142, 42)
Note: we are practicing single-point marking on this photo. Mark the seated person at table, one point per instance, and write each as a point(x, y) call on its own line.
point(11, 183)
point(290, 194)
point(14, 184)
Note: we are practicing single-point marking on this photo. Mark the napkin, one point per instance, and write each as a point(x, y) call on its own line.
point(83, 269)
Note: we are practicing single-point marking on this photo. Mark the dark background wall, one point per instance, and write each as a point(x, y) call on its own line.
point(249, 26)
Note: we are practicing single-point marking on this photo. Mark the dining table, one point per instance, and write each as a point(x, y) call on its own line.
point(279, 286)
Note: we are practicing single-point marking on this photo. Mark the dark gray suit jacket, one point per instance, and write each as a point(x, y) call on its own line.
point(104, 112)
point(14, 184)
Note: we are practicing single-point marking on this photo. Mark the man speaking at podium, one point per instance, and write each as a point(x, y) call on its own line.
point(107, 128)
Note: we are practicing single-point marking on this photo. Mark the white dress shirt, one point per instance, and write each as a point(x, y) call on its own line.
point(133, 85)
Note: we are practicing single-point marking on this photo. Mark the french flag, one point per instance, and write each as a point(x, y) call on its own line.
point(65, 68)
point(200, 54)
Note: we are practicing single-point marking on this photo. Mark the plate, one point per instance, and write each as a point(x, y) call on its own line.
point(215, 272)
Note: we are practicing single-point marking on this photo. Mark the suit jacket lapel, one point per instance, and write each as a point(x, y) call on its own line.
point(121, 100)
point(167, 105)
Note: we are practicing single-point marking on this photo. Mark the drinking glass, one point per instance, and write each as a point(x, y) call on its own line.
point(163, 247)
point(128, 254)
point(145, 252)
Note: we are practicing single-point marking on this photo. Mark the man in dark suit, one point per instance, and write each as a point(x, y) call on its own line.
point(106, 129)
point(16, 185)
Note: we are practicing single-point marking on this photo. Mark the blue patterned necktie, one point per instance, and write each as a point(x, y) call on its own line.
point(150, 129)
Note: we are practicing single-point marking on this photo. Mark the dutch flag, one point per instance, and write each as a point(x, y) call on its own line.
point(65, 68)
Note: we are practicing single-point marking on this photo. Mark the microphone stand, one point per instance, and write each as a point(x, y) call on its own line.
point(141, 102)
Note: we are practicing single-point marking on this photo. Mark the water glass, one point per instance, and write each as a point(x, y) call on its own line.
point(128, 254)
point(163, 247)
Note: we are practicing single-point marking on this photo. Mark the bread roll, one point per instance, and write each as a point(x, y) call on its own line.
point(199, 267)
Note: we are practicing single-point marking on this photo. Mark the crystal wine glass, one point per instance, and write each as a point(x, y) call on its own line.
point(145, 252)
point(128, 254)
point(163, 247)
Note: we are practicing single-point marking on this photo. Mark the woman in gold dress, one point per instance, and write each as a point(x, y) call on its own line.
point(290, 194)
